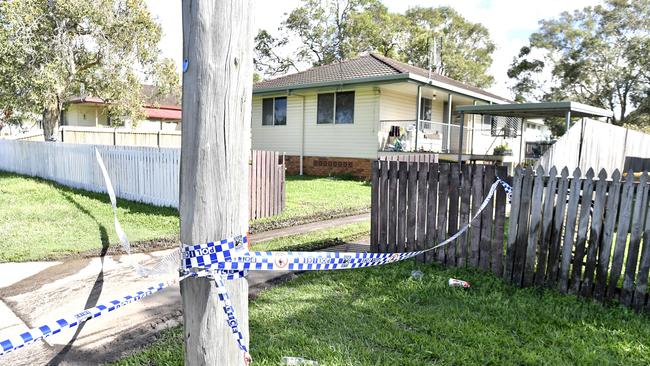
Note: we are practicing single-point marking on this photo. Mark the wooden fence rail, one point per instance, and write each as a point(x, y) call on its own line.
point(145, 174)
point(416, 205)
point(581, 234)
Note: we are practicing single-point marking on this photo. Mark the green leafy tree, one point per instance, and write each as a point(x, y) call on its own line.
point(336, 30)
point(465, 48)
point(323, 30)
point(52, 50)
point(597, 55)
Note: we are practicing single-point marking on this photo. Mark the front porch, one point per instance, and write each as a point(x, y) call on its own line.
point(421, 118)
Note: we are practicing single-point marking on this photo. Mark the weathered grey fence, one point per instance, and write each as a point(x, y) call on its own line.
point(417, 205)
point(581, 235)
point(145, 174)
point(266, 185)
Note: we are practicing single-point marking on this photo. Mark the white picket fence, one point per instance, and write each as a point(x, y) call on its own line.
point(145, 174)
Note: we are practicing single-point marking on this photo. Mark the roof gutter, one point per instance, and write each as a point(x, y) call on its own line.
point(370, 79)
point(454, 89)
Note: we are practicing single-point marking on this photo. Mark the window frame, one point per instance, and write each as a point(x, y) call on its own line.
point(286, 107)
point(422, 99)
point(335, 93)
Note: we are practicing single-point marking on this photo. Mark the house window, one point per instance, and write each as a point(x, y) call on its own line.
point(425, 109)
point(274, 111)
point(335, 108)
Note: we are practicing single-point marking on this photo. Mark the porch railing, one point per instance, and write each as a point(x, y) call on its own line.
point(428, 136)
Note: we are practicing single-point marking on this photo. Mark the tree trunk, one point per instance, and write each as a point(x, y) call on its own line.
point(51, 116)
point(217, 44)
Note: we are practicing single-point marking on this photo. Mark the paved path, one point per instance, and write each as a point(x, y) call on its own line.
point(32, 293)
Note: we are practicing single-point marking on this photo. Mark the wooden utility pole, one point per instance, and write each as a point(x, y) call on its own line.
point(215, 149)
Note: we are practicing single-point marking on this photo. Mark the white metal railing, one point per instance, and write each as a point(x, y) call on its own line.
point(431, 136)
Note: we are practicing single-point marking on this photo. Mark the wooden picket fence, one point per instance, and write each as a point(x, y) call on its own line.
point(417, 205)
point(582, 235)
point(266, 185)
point(145, 174)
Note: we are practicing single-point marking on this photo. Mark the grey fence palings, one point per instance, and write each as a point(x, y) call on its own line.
point(477, 192)
point(486, 221)
point(605, 252)
point(595, 234)
point(465, 200)
point(583, 225)
point(534, 230)
point(423, 175)
point(638, 217)
point(443, 196)
point(547, 227)
point(624, 218)
point(569, 232)
point(432, 210)
point(454, 185)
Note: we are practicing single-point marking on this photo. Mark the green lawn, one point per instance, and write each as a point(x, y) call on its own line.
point(43, 220)
point(313, 198)
point(317, 239)
point(380, 316)
point(40, 220)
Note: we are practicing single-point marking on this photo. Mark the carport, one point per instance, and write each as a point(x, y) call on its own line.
point(526, 111)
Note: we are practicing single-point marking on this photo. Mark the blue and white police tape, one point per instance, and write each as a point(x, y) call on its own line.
point(74, 320)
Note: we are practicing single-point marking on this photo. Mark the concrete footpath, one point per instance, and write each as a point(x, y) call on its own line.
point(37, 292)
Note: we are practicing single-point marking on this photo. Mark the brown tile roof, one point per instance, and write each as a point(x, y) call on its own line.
point(371, 65)
point(357, 68)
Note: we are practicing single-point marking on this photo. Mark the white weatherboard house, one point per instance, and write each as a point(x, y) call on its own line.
point(336, 119)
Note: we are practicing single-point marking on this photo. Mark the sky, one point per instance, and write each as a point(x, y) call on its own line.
point(510, 23)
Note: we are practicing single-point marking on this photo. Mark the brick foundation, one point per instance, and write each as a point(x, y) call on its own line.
point(322, 166)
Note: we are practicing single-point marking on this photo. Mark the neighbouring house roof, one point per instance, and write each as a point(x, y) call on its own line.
point(155, 107)
point(369, 68)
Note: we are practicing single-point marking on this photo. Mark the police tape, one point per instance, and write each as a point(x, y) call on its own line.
point(74, 320)
point(227, 259)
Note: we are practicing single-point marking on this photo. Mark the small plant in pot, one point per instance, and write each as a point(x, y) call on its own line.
point(503, 150)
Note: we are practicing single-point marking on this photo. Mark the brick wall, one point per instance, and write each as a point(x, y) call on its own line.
point(322, 166)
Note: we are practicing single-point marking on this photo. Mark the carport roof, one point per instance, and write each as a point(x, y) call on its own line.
point(536, 110)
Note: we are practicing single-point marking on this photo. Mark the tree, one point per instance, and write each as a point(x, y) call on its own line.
point(465, 47)
point(336, 30)
point(217, 89)
point(52, 50)
point(321, 28)
point(597, 55)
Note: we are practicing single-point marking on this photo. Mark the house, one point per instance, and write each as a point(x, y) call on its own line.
point(160, 113)
point(338, 118)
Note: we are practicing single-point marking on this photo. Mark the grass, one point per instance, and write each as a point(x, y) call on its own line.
point(312, 198)
point(381, 316)
point(44, 220)
point(317, 239)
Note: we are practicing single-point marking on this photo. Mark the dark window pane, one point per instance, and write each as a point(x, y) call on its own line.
point(267, 111)
point(281, 111)
point(345, 107)
point(425, 109)
point(325, 112)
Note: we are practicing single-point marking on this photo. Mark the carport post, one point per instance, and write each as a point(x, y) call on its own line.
point(568, 120)
point(418, 110)
point(460, 141)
